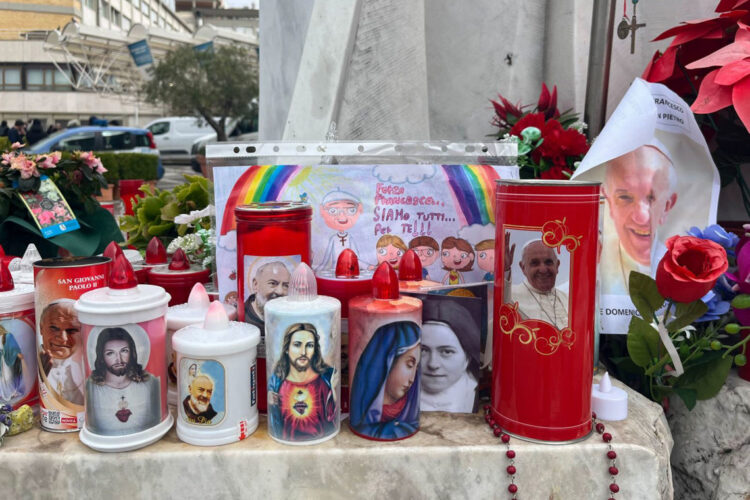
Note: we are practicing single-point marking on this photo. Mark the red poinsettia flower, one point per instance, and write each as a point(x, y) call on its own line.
point(548, 102)
point(696, 51)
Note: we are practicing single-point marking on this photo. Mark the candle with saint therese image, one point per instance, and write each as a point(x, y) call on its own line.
point(344, 283)
point(303, 363)
point(18, 379)
point(178, 277)
point(58, 283)
point(192, 312)
point(385, 334)
point(545, 290)
point(124, 332)
point(216, 379)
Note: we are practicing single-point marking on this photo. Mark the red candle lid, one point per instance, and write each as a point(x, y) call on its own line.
point(155, 252)
point(112, 251)
point(2, 251)
point(122, 276)
point(179, 261)
point(385, 282)
point(6, 279)
point(347, 265)
point(410, 267)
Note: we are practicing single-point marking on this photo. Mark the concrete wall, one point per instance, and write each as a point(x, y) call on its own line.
point(473, 51)
point(284, 27)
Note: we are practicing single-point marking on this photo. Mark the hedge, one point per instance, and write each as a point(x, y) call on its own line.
point(118, 165)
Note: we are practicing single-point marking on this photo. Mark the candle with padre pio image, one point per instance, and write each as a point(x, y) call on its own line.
point(18, 380)
point(344, 283)
point(272, 238)
point(216, 379)
point(192, 312)
point(303, 359)
point(124, 331)
point(58, 283)
point(384, 352)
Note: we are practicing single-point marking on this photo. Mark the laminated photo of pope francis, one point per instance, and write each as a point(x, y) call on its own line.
point(658, 180)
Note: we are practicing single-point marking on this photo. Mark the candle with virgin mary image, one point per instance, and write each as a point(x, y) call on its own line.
point(384, 355)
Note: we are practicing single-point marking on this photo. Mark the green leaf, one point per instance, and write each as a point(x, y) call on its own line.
point(706, 379)
point(643, 342)
point(688, 396)
point(644, 294)
point(158, 230)
point(685, 314)
point(170, 211)
point(149, 209)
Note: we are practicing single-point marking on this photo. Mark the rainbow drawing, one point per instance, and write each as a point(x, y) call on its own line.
point(257, 184)
point(473, 190)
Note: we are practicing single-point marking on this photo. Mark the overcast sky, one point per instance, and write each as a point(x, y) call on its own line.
point(240, 3)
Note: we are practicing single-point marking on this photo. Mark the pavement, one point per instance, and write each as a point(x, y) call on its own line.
point(173, 175)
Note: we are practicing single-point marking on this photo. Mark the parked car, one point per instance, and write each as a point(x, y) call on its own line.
point(174, 135)
point(104, 139)
point(237, 131)
point(199, 148)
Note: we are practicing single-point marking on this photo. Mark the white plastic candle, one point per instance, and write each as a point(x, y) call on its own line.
point(303, 362)
point(126, 383)
point(609, 402)
point(216, 379)
point(192, 312)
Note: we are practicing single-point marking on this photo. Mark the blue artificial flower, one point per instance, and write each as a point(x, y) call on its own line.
point(716, 307)
point(717, 234)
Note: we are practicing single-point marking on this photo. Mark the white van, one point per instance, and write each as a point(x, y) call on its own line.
point(175, 135)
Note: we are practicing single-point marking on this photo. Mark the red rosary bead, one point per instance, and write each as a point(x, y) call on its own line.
point(613, 471)
point(513, 488)
point(614, 488)
point(611, 455)
point(593, 415)
point(487, 418)
point(510, 454)
point(497, 431)
point(486, 407)
point(511, 470)
point(607, 437)
point(599, 428)
point(505, 438)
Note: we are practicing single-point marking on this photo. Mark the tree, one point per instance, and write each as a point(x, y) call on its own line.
point(212, 85)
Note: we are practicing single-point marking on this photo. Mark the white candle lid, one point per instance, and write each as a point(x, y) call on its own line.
point(23, 269)
point(108, 306)
point(133, 256)
point(609, 402)
point(18, 299)
point(194, 310)
point(217, 335)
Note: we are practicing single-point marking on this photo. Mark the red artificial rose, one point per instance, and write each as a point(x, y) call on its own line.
point(690, 268)
point(530, 120)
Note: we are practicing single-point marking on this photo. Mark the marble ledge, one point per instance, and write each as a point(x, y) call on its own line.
point(453, 456)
